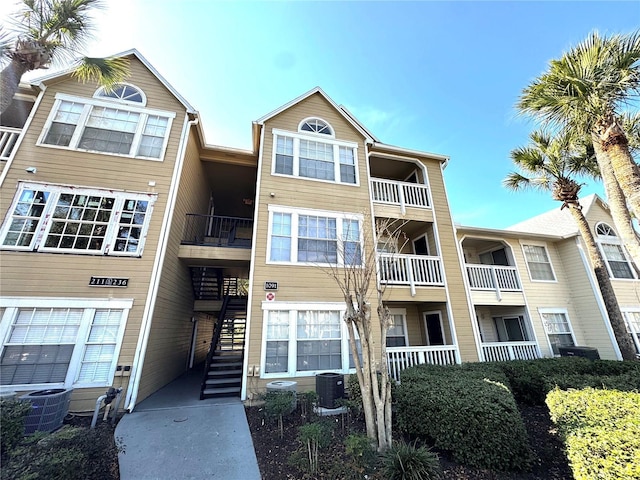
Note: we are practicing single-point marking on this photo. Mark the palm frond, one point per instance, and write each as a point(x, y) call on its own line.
point(105, 71)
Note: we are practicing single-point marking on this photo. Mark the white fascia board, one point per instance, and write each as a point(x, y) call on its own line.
point(408, 151)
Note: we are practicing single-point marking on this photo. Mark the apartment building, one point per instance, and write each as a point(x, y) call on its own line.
point(132, 251)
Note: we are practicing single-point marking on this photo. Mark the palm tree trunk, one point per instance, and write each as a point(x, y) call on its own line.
point(613, 141)
point(618, 206)
point(9, 82)
point(625, 343)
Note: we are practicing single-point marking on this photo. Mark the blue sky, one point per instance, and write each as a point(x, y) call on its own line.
point(440, 77)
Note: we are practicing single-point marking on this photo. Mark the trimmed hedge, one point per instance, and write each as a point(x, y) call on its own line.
point(601, 431)
point(12, 416)
point(467, 411)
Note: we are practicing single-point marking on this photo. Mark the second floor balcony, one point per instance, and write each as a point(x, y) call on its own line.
point(402, 194)
point(217, 231)
point(493, 278)
point(412, 270)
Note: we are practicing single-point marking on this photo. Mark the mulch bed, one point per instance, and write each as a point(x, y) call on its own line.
point(273, 452)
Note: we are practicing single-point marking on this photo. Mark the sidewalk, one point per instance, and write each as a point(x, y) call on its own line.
point(173, 435)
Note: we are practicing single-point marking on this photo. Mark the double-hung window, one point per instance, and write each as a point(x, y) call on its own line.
point(66, 342)
point(107, 124)
point(556, 324)
point(302, 339)
point(55, 218)
point(613, 252)
point(632, 322)
point(538, 262)
point(397, 332)
point(314, 155)
point(312, 237)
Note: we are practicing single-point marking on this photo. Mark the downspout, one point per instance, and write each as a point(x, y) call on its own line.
point(254, 236)
point(599, 299)
point(25, 128)
point(145, 328)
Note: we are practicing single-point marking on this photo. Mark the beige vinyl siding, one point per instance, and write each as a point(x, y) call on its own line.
point(589, 323)
point(67, 275)
point(171, 329)
point(449, 253)
point(203, 338)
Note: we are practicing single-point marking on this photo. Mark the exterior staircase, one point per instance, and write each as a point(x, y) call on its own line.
point(223, 367)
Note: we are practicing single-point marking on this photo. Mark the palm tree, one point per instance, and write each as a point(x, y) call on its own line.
point(583, 93)
point(552, 164)
point(46, 32)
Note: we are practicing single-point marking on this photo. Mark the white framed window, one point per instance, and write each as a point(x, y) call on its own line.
point(511, 328)
point(123, 92)
point(315, 125)
point(112, 123)
point(613, 251)
point(314, 157)
point(632, 322)
point(538, 263)
point(60, 342)
point(397, 331)
point(302, 339)
point(558, 328)
point(63, 219)
point(314, 237)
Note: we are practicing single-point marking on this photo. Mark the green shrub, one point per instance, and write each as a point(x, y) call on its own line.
point(306, 401)
point(601, 431)
point(406, 461)
point(68, 454)
point(314, 436)
point(12, 415)
point(625, 382)
point(278, 404)
point(362, 450)
point(467, 411)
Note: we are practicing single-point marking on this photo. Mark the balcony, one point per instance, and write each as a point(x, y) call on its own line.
point(217, 231)
point(412, 270)
point(494, 278)
point(399, 358)
point(503, 351)
point(402, 194)
point(8, 139)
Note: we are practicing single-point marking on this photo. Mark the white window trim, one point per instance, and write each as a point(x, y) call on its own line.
point(546, 249)
point(426, 241)
point(91, 102)
point(317, 137)
point(634, 335)
point(295, 213)
point(403, 313)
point(426, 330)
point(316, 134)
point(89, 305)
point(46, 220)
point(293, 308)
point(98, 95)
point(613, 240)
point(564, 311)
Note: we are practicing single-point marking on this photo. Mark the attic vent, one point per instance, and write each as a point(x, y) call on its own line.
point(316, 125)
point(124, 93)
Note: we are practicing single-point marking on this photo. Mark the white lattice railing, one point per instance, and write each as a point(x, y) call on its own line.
point(8, 139)
point(399, 358)
point(412, 270)
point(403, 194)
point(503, 351)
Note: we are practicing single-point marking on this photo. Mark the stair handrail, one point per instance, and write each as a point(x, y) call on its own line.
point(217, 330)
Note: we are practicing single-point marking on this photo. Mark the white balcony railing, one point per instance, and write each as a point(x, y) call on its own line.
point(503, 351)
point(412, 270)
point(493, 277)
point(403, 194)
point(399, 358)
point(8, 139)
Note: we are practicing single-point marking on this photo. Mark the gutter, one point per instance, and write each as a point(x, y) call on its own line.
point(154, 284)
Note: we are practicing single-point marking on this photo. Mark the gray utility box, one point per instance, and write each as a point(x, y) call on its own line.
point(48, 409)
point(329, 387)
point(585, 352)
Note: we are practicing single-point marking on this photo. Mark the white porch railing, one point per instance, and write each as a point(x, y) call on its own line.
point(503, 351)
point(399, 358)
point(400, 193)
point(412, 270)
point(8, 138)
point(493, 277)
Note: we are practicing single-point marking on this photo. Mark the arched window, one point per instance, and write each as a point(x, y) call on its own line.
point(124, 93)
point(613, 252)
point(315, 125)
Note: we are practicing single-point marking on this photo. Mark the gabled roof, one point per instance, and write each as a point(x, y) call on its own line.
point(557, 222)
point(67, 71)
point(342, 110)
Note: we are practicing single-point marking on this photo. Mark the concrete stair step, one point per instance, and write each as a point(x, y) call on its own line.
point(222, 373)
point(220, 382)
point(229, 365)
point(220, 392)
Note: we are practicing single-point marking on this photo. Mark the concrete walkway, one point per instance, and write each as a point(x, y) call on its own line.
point(173, 435)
